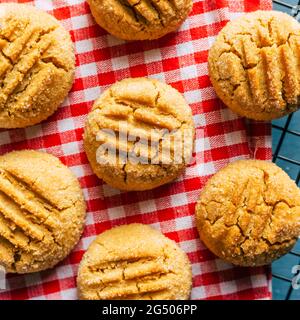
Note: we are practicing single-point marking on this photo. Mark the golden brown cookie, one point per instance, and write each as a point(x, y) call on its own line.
point(42, 211)
point(151, 129)
point(140, 20)
point(37, 65)
point(254, 65)
point(249, 213)
point(134, 262)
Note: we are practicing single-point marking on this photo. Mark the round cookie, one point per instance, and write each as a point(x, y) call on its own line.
point(140, 20)
point(134, 262)
point(150, 126)
point(254, 65)
point(42, 211)
point(37, 64)
point(249, 213)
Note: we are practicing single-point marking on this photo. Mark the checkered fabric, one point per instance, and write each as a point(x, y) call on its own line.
point(179, 59)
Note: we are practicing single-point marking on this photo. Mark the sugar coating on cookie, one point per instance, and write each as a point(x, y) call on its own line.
point(150, 127)
point(37, 64)
point(254, 65)
point(42, 211)
point(134, 262)
point(140, 20)
point(249, 213)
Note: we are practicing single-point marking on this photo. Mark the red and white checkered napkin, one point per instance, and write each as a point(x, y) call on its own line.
point(179, 59)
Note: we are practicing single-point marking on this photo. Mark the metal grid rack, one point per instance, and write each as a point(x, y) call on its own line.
point(286, 142)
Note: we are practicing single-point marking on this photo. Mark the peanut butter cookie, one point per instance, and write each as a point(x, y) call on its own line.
point(249, 213)
point(42, 211)
point(139, 135)
point(37, 65)
point(140, 19)
point(134, 262)
point(254, 65)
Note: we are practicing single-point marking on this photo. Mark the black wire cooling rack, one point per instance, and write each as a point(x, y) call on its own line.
point(285, 132)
